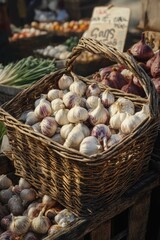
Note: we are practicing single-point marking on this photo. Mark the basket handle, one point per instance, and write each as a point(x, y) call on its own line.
point(97, 47)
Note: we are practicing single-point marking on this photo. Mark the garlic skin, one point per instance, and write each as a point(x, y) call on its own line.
point(93, 90)
point(20, 225)
point(31, 118)
point(41, 99)
point(99, 115)
point(48, 126)
point(57, 104)
point(15, 205)
point(6, 194)
point(78, 86)
point(64, 82)
point(107, 98)
point(77, 114)
point(28, 194)
point(114, 139)
point(70, 99)
point(61, 117)
point(130, 123)
point(57, 138)
point(54, 93)
point(23, 184)
point(5, 182)
point(74, 138)
point(66, 129)
point(43, 109)
point(90, 145)
point(40, 224)
point(92, 102)
point(126, 106)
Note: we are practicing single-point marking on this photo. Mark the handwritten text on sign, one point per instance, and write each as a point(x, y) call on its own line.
point(109, 25)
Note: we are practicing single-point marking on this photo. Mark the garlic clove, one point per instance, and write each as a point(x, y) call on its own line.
point(74, 138)
point(15, 205)
point(41, 224)
point(130, 123)
point(48, 126)
point(6, 194)
point(64, 82)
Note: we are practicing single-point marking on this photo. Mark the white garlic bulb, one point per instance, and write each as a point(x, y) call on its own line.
point(54, 93)
point(93, 90)
point(78, 86)
point(5, 182)
point(31, 118)
point(99, 114)
point(130, 123)
point(77, 114)
point(117, 119)
point(66, 129)
point(23, 184)
point(42, 98)
point(61, 117)
point(57, 138)
point(64, 82)
point(74, 138)
point(20, 224)
point(90, 145)
point(43, 109)
point(126, 106)
point(48, 126)
point(40, 224)
point(70, 99)
point(92, 102)
point(107, 98)
point(57, 104)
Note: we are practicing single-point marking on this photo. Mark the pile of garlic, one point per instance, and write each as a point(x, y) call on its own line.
point(82, 117)
point(26, 214)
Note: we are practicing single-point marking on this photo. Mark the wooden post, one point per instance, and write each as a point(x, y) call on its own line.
point(103, 232)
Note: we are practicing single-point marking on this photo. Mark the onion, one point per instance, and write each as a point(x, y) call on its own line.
point(118, 79)
point(132, 88)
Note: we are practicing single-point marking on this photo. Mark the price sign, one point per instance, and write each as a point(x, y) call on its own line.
point(110, 25)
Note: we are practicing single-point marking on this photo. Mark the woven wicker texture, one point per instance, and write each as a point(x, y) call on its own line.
point(83, 184)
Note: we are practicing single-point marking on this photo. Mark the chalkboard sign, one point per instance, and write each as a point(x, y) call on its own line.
point(109, 24)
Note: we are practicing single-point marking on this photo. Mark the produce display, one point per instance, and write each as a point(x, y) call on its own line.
point(70, 26)
point(27, 33)
point(84, 117)
point(25, 71)
point(27, 214)
point(61, 51)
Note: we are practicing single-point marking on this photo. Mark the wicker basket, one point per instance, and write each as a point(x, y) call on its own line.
point(83, 184)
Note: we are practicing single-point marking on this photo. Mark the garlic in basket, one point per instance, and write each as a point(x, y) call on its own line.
point(78, 86)
point(90, 145)
point(61, 117)
point(48, 126)
point(19, 224)
point(107, 98)
point(117, 119)
point(31, 118)
point(43, 109)
point(64, 82)
point(5, 182)
point(57, 138)
point(77, 114)
point(54, 93)
point(126, 106)
point(93, 90)
point(40, 224)
point(70, 99)
point(66, 129)
point(99, 115)
point(144, 113)
point(130, 123)
point(57, 104)
point(92, 102)
point(42, 97)
point(102, 133)
point(115, 138)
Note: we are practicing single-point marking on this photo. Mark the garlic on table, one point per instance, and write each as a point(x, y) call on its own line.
point(77, 114)
point(5, 182)
point(99, 115)
point(43, 109)
point(20, 224)
point(28, 194)
point(57, 138)
point(6, 194)
point(23, 184)
point(61, 117)
point(130, 123)
point(107, 98)
point(54, 93)
point(102, 133)
point(40, 224)
point(92, 102)
point(78, 86)
point(117, 119)
point(74, 138)
point(90, 145)
point(15, 205)
point(48, 126)
point(57, 104)
point(115, 138)
point(93, 90)
point(70, 99)
point(64, 82)
point(66, 129)
point(42, 98)
point(126, 106)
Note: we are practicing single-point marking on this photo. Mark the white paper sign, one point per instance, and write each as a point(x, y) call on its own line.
point(110, 25)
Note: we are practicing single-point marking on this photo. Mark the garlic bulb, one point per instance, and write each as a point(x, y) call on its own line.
point(102, 133)
point(6, 194)
point(93, 90)
point(130, 123)
point(23, 184)
point(37, 127)
point(78, 86)
point(15, 205)
point(57, 104)
point(126, 106)
point(5, 182)
point(57, 138)
point(20, 225)
point(48, 126)
point(43, 109)
point(117, 119)
point(70, 99)
point(144, 113)
point(77, 114)
point(83, 128)
point(28, 194)
point(107, 98)
point(74, 138)
point(64, 82)
point(41, 99)
point(41, 224)
point(61, 116)
point(92, 102)
point(90, 145)
point(54, 93)
point(99, 114)
point(31, 118)
point(115, 138)
point(66, 129)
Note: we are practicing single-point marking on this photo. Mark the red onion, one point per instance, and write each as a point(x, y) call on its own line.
point(156, 82)
point(132, 88)
point(118, 79)
point(109, 83)
point(155, 67)
point(141, 50)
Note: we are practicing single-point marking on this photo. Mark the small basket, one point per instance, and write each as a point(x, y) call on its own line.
point(83, 184)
